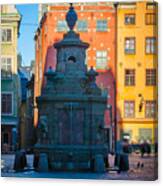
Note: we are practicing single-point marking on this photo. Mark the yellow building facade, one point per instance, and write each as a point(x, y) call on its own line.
point(137, 71)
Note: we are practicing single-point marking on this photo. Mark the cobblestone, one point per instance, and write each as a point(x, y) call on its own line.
point(147, 172)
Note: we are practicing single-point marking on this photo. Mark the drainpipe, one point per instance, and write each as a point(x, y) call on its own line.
point(115, 79)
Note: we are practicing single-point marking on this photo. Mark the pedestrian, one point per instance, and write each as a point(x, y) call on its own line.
point(138, 165)
point(148, 147)
point(142, 148)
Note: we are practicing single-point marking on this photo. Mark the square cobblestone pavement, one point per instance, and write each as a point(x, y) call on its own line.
point(147, 172)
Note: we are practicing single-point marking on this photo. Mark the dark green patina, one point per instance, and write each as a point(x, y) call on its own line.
point(71, 110)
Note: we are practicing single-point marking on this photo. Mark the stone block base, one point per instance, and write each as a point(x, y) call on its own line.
point(43, 163)
point(99, 164)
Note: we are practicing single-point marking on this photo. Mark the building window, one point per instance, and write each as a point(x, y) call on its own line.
point(150, 76)
point(145, 134)
point(101, 59)
point(102, 25)
point(150, 19)
point(6, 35)
point(130, 45)
point(150, 109)
point(150, 45)
point(129, 109)
point(6, 103)
point(6, 70)
point(82, 25)
point(129, 77)
point(151, 6)
point(130, 19)
point(62, 26)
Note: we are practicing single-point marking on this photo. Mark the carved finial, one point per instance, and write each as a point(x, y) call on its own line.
point(71, 17)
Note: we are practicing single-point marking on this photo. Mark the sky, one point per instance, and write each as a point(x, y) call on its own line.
point(28, 26)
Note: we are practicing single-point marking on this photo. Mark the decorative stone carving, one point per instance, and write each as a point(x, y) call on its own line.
point(43, 163)
point(43, 129)
point(71, 17)
point(71, 109)
point(92, 86)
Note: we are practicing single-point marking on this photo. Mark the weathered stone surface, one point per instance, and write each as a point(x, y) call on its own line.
point(99, 165)
point(71, 110)
point(43, 163)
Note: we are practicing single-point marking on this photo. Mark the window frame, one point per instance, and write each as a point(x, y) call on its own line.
point(129, 101)
point(98, 29)
point(151, 5)
point(102, 57)
point(65, 26)
point(7, 28)
point(151, 77)
point(144, 130)
point(130, 15)
point(12, 103)
point(129, 78)
point(81, 28)
point(155, 45)
point(130, 51)
point(150, 22)
point(155, 114)
point(6, 57)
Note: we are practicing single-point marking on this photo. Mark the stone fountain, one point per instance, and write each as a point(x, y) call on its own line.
point(71, 132)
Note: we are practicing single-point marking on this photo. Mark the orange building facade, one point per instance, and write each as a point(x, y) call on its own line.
point(96, 25)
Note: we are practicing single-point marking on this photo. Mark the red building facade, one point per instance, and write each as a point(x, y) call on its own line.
point(96, 25)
